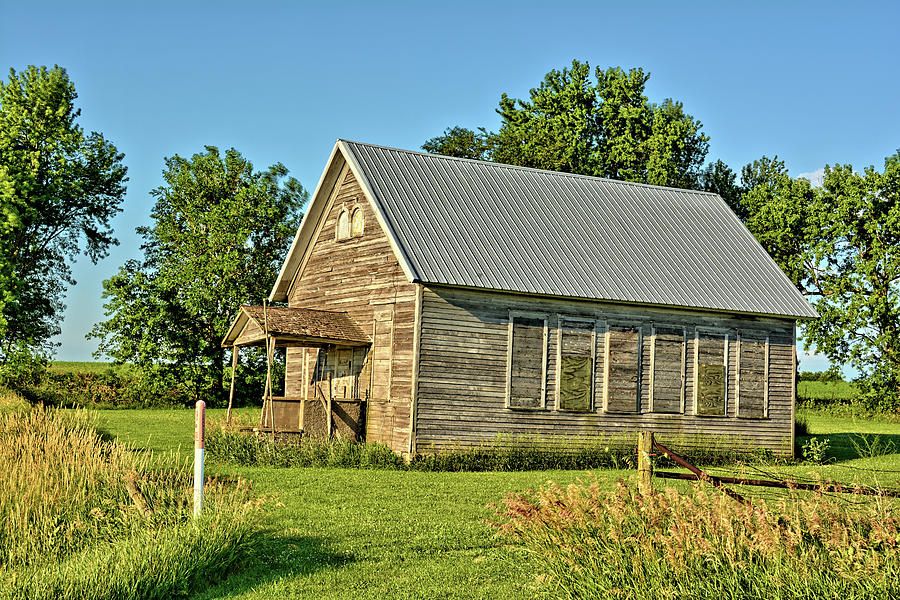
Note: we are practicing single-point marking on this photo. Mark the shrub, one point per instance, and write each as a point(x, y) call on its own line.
point(20, 366)
point(870, 446)
point(815, 450)
point(829, 376)
point(108, 385)
point(702, 545)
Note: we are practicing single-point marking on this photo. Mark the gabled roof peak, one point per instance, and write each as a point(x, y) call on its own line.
point(500, 165)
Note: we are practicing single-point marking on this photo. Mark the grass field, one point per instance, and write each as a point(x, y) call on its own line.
point(826, 390)
point(70, 366)
point(344, 533)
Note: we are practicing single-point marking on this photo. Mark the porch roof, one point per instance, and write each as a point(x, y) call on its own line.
point(293, 327)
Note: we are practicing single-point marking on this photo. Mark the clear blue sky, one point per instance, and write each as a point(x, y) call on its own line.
point(814, 82)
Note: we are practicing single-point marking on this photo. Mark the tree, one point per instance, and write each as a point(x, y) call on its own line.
point(718, 178)
point(604, 127)
point(220, 231)
point(839, 246)
point(59, 189)
point(461, 143)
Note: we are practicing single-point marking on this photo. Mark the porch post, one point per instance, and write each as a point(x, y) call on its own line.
point(330, 394)
point(234, 359)
point(270, 350)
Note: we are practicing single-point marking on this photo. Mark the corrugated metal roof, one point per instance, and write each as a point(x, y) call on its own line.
point(469, 223)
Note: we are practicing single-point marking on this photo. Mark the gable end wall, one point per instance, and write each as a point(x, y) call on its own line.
point(360, 276)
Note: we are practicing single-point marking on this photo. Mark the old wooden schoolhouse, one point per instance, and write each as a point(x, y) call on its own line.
point(437, 302)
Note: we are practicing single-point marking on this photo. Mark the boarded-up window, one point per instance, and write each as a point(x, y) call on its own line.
point(623, 368)
point(343, 225)
point(357, 223)
point(576, 364)
point(712, 373)
point(753, 359)
point(527, 366)
point(667, 370)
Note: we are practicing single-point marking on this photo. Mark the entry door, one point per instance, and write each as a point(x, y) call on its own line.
point(346, 364)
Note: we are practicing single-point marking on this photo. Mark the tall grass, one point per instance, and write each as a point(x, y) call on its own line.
point(703, 545)
point(68, 520)
point(229, 444)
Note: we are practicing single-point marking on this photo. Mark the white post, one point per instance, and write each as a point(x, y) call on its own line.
point(199, 436)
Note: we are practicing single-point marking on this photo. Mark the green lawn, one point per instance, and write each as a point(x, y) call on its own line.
point(344, 533)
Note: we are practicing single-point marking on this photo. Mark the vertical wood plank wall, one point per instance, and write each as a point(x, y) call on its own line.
point(461, 396)
point(361, 276)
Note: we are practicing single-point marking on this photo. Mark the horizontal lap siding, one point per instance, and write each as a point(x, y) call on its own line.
point(463, 362)
point(361, 276)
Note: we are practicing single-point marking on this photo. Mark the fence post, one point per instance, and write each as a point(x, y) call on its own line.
point(199, 438)
point(645, 468)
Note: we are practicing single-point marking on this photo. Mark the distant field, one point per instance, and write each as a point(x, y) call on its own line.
point(826, 390)
point(71, 366)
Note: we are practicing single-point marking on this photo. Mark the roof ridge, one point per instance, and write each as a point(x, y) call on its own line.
point(528, 169)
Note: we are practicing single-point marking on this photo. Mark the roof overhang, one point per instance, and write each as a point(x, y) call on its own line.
point(308, 226)
point(293, 327)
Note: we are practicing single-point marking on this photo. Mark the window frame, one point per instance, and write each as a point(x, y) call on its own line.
point(337, 226)
point(538, 316)
point(357, 210)
point(639, 326)
point(760, 336)
point(560, 318)
point(651, 385)
point(726, 333)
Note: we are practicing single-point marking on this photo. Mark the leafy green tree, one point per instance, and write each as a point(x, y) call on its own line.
point(220, 231)
point(461, 143)
point(854, 273)
point(603, 126)
point(8, 222)
point(839, 245)
point(718, 178)
point(779, 211)
point(59, 189)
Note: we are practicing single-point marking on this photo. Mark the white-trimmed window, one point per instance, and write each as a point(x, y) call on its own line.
point(752, 375)
point(622, 380)
point(526, 369)
point(343, 225)
point(711, 372)
point(667, 347)
point(575, 360)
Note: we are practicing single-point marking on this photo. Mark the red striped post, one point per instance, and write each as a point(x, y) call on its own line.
point(199, 436)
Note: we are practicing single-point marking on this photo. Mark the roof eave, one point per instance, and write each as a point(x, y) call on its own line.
point(380, 214)
point(305, 232)
point(806, 317)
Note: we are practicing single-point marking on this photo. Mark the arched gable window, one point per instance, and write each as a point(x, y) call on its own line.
point(343, 225)
point(357, 222)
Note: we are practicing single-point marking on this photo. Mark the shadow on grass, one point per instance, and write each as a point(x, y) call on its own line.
point(851, 446)
point(275, 557)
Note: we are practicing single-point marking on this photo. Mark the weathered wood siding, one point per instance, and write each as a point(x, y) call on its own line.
point(464, 361)
point(360, 276)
